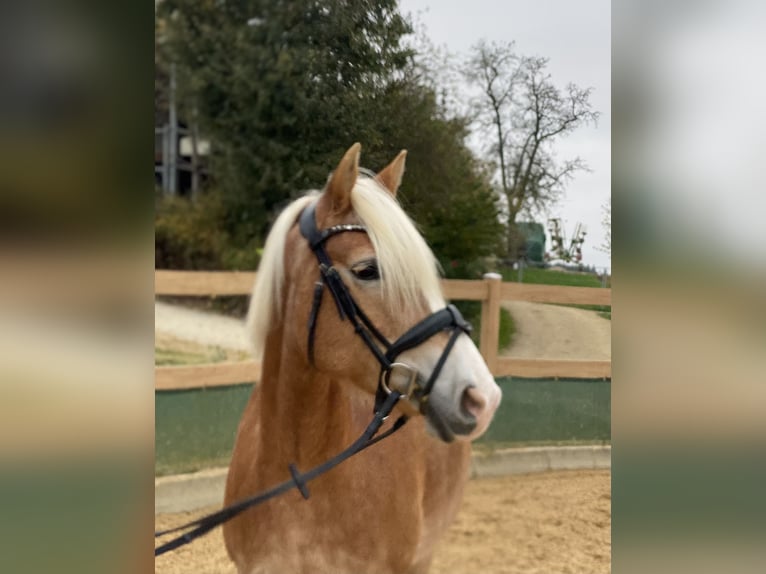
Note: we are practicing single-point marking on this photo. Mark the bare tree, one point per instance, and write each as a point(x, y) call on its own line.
point(523, 114)
point(606, 222)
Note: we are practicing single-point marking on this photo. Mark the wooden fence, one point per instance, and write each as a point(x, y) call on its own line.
point(491, 291)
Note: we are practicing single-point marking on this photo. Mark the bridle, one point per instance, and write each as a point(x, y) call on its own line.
point(396, 381)
point(393, 375)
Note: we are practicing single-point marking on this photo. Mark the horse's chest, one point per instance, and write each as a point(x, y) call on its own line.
point(347, 525)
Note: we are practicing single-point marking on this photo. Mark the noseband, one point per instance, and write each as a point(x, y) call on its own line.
point(394, 376)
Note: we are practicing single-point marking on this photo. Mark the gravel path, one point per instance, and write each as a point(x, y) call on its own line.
point(542, 331)
point(555, 332)
point(200, 326)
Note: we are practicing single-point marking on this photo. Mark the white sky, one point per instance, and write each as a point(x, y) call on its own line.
point(576, 37)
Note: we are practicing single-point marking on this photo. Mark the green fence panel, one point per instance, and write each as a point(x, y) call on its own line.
point(195, 429)
point(552, 411)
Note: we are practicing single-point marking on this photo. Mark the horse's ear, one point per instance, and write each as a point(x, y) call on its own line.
point(391, 175)
point(343, 179)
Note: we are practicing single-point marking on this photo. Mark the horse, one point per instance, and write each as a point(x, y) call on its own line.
point(383, 510)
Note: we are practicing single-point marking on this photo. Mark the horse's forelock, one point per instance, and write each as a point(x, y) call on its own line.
point(408, 269)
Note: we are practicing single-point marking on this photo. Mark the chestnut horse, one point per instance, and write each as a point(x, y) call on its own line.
point(383, 510)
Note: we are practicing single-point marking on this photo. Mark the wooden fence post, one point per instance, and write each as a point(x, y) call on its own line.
point(490, 321)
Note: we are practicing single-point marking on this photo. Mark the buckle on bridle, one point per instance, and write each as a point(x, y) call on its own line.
point(405, 385)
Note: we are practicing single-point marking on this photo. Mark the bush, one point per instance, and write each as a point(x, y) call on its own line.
point(191, 235)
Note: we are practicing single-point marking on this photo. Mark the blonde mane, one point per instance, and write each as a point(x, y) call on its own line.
point(408, 268)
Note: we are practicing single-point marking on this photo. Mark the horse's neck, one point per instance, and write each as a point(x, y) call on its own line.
point(306, 416)
point(298, 416)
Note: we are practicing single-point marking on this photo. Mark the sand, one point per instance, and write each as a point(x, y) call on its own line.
point(547, 523)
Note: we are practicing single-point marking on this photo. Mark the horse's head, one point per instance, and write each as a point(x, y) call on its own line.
point(391, 277)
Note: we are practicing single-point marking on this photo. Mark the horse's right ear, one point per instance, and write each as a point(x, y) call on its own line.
point(391, 175)
point(343, 179)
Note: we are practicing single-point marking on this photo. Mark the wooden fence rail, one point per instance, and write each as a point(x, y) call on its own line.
point(491, 291)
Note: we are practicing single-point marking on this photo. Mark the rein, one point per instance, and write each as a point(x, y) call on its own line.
point(390, 390)
point(298, 480)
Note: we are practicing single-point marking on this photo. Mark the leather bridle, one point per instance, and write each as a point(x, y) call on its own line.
point(397, 380)
point(393, 375)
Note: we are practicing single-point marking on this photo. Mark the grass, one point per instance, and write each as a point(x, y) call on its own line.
point(164, 356)
point(169, 351)
point(534, 275)
point(507, 329)
point(604, 311)
point(471, 310)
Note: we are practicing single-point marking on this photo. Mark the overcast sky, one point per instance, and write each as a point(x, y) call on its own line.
point(576, 37)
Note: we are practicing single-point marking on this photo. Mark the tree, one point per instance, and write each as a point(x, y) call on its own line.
point(281, 89)
point(523, 114)
point(445, 188)
point(606, 222)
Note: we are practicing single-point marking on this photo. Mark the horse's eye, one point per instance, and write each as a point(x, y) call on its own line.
point(367, 271)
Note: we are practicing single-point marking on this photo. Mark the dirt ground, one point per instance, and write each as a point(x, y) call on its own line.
point(556, 332)
point(548, 523)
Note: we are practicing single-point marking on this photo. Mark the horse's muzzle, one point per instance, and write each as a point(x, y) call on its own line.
point(451, 417)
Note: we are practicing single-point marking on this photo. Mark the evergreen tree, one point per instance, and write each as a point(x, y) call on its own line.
point(282, 89)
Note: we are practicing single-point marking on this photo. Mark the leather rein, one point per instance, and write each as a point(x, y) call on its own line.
point(396, 381)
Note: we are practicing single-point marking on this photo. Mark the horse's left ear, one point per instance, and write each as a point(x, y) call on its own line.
point(343, 179)
point(391, 175)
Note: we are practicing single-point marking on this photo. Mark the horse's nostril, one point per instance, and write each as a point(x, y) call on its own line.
point(473, 402)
